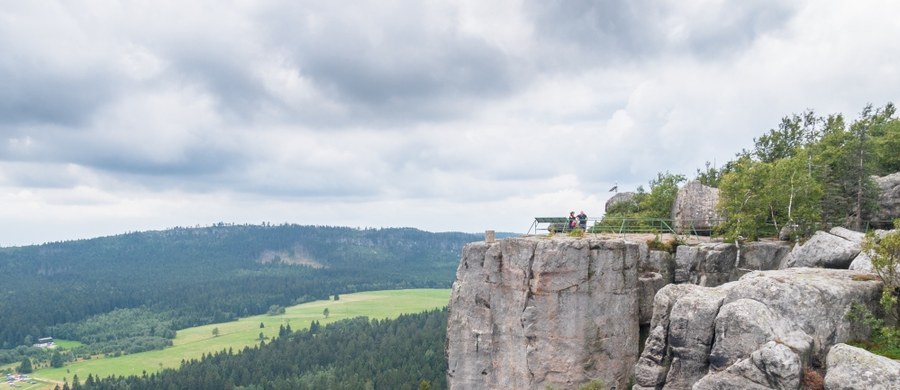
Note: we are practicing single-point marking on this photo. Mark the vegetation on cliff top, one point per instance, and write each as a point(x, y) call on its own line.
point(808, 173)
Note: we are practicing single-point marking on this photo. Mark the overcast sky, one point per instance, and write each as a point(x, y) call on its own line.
point(120, 116)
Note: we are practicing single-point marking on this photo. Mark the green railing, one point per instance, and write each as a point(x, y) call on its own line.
point(623, 225)
point(627, 225)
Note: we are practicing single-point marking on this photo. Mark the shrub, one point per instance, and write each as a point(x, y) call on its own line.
point(595, 384)
point(812, 380)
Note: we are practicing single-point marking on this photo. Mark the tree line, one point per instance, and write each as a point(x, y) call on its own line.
point(143, 286)
point(810, 172)
point(406, 353)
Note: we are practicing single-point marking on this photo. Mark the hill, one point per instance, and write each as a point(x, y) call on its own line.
point(151, 283)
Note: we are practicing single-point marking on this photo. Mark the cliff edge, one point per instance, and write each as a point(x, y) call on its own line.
point(536, 312)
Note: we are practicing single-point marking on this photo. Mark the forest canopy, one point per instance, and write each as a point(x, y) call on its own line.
point(808, 173)
point(152, 283)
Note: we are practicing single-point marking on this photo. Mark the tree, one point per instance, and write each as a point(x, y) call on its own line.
point(262, 325)
point(25, 367)
point(843, 161)
point(710, 176)
point(56, 360)
point(759, 198)
point(326, 312)
point(656, 204)
point(215, 332)
point(886, 143)
point(742, 199)
point(885, 256)
point(884, 253)
point(337, 297)
point(784, 142)
point(663, 189)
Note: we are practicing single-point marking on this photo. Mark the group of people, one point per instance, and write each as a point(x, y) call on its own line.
point(579, 220)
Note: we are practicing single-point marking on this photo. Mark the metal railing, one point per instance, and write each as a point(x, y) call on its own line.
point(699, 227)
point(626, 225)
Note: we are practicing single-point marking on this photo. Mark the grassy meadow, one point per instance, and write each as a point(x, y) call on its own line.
point(191, 343)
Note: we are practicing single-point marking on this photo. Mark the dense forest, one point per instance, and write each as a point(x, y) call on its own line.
point(130, 292)
point(405, 353)
point(811, 172)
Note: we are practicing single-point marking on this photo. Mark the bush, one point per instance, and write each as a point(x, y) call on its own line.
point(885, 255)
point(657, 244)
point(595, 384)
point(812, 380)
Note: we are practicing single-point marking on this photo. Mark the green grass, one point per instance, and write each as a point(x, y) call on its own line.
point(191, 343)
point(67, 344)
point(878, 349)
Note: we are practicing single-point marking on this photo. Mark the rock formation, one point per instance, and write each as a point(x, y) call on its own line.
point(888, 200)
point(623, 199)
point(713, 264)
point(694, 209)
point(536, 312)
point(756, 333)
point(835, 249)
point(851, 368)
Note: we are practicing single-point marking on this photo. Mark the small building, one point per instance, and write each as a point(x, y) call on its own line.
point(44, 342)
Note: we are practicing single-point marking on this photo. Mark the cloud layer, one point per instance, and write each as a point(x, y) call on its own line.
point(464, 115)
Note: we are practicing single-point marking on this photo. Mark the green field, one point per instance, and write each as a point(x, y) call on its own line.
point(191, 343)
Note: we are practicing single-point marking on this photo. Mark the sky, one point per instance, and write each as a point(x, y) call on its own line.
point(440, 115)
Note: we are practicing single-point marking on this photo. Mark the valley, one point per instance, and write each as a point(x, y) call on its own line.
point(192, 343)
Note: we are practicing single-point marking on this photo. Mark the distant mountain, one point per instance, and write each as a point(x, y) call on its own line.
point(210, 274)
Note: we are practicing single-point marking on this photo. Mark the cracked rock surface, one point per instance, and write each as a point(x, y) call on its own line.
point(757, 332)
point(539, 312)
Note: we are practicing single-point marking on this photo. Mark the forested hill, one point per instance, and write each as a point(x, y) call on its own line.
point(192, 276)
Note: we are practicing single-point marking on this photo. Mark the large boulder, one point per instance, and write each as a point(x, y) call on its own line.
point(824, 250)
point(757, 332)
point(539, 312)
point(847, 234)
point(762, 256)
point(714, 264)
point(773, 366)
point(707, 264)
point(851, 368)
point(621, 199)
point(888, 200)
point(694, 210)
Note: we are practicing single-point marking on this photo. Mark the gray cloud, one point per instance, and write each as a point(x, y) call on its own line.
point(377, 113)
point(398, 72)
point(590, 33)
point(33, 94)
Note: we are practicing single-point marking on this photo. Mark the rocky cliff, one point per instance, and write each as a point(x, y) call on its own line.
point(760, 332)
point(539, 312)
point(560, 312)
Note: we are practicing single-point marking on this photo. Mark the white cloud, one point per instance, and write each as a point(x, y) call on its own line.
point(441, 115)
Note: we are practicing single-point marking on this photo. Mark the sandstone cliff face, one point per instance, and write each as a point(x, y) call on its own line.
point(714, 264)
point(756, 333)
point(536, 312)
